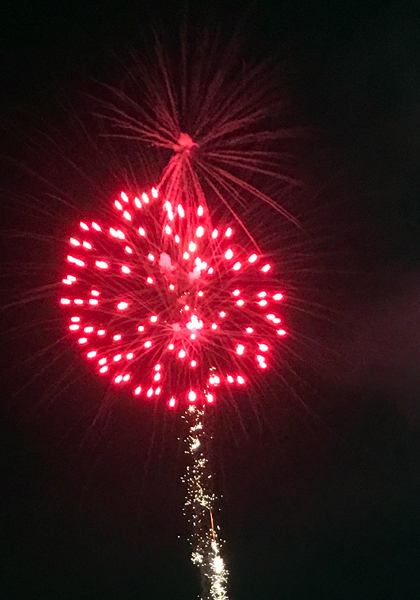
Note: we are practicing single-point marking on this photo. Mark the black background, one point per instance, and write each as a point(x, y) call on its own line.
point(321, 497)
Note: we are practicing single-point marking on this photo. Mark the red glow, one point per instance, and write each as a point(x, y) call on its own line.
point(181, 286)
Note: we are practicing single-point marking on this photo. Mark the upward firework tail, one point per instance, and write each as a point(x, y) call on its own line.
point(199, 509)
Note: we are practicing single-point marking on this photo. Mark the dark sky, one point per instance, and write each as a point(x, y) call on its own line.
point(321, 497)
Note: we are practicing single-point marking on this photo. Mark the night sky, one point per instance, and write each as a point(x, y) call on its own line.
point(321, 482)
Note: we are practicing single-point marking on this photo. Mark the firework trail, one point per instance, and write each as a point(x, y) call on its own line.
point(199, 509)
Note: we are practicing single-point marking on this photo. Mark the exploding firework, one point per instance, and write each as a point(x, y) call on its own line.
point(235, 115)
point(174, 307)
point(171, 302)
point(168, 305)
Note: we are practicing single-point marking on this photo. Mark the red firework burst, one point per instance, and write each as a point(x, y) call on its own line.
point(168, 304)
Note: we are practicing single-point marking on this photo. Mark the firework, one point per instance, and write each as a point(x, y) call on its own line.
point(175, 308)
point(168, 300)
point(236, 117)
point(166, 304)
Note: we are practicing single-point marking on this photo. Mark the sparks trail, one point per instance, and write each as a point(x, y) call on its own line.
point(199, 509)
point(234, 143)
point(168, 305)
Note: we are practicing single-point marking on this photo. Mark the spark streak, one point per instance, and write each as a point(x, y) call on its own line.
point(199, 508)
